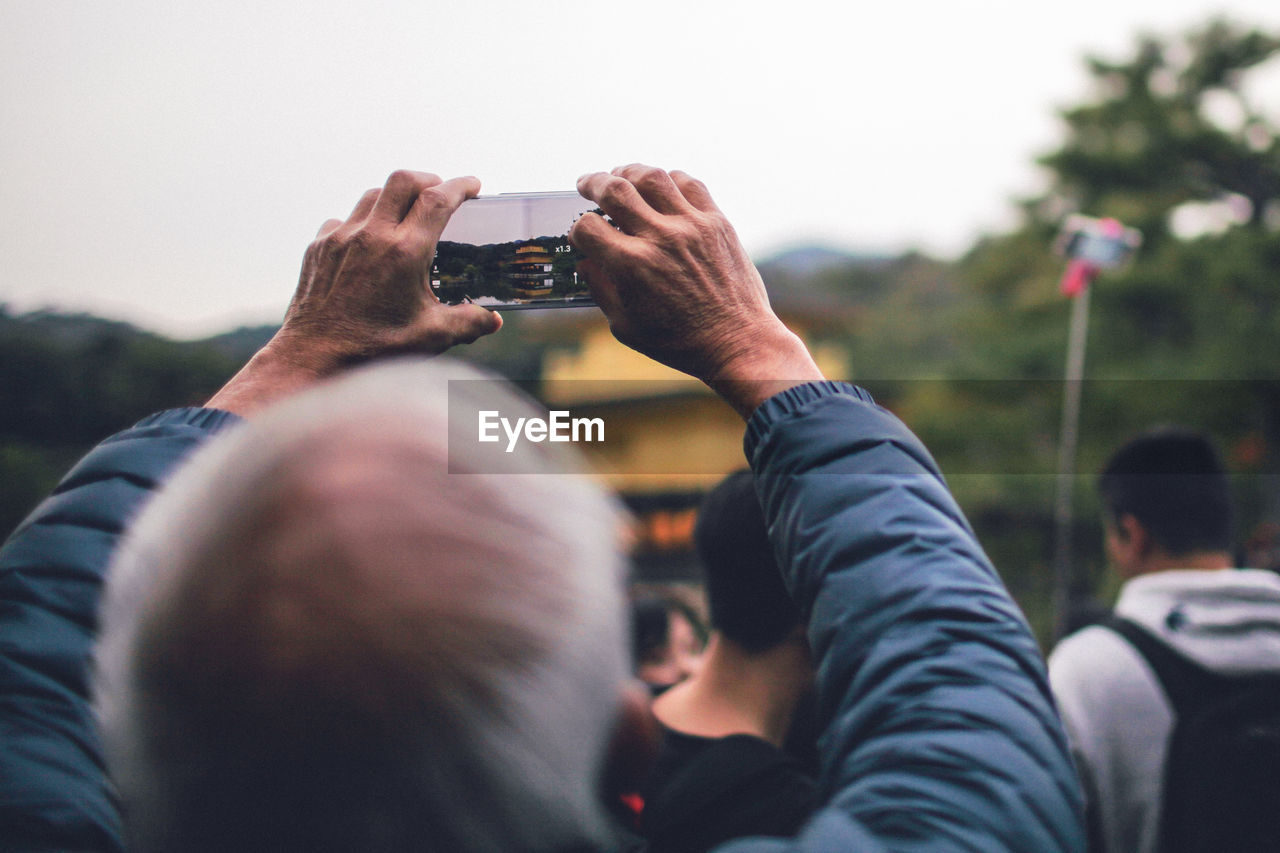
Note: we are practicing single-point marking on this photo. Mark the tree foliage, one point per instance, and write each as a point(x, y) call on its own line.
point(1175, 141)
point(1174, 124)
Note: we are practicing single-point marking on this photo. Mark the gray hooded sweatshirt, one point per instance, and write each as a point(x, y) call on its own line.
point(1117, 717)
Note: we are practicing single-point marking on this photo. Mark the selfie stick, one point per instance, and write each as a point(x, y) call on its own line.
point(1080, 242)
point(1063, 574)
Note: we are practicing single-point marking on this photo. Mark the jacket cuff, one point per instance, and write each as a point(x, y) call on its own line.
point(212, 420)
point(794, 400)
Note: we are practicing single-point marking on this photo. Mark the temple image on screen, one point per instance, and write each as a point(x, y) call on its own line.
point(511, 253)
point(531, 271)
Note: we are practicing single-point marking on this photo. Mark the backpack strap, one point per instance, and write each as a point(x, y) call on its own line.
point(1184, 681)
point(1221, 787)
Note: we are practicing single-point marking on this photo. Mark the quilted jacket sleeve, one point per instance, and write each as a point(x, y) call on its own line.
point(940, 733)
point(53, 789)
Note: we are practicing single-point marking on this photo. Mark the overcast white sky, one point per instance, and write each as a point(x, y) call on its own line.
point(167, 162)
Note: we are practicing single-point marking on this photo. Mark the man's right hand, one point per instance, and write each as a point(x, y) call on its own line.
point(677, 285)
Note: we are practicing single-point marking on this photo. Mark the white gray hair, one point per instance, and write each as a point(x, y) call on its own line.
point(330, 630)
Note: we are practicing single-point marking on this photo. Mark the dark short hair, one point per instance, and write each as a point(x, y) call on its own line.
point(1172, 480)
point(747, 601)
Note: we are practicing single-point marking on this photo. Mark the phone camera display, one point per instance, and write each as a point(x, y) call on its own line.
point(512, 251)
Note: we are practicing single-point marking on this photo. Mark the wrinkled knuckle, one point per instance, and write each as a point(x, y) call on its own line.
point(650, 178)
point(356, 238)
point(645, 173)
point(672, 240)
point(399, 178)
point(400, 252)
point(365, 240)
point(334, 241)
point(675, 232)
point(319, 254)
point(707, 229)
point(686, 182)
point(615, 190)
point(581, 237)
point(433, 198)
point(350, 238)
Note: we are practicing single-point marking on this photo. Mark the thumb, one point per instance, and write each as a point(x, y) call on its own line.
point(466, 323)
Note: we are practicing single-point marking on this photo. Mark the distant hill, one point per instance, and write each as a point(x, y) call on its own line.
point(821, 278)
point(63, 329)
point(70, 380)
point(801, 261)
point(240, 343)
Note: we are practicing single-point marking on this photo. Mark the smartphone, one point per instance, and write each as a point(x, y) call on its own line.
point(1101, 243)
point(512, 251)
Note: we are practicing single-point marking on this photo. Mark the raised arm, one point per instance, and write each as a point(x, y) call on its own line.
point(362, 294)
point(940, 731)
point(54, 793)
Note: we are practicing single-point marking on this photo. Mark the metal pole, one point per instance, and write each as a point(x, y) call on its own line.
point(1063, 570)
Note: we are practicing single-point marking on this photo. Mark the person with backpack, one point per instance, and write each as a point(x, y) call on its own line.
point(1172, 705)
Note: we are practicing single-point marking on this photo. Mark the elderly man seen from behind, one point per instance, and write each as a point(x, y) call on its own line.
point(342, 629)
point(301, 613)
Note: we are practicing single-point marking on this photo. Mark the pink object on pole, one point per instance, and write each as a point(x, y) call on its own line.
point(1078, 276)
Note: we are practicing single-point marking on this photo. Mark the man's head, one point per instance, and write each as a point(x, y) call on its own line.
point(329, 632)
point(747, 601)
point(1166, 496)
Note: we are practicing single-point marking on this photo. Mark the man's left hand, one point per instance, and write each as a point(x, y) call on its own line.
point(363, 293)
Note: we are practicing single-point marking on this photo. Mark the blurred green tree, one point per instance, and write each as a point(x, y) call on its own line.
point(1179, 140)
point(1177, 123)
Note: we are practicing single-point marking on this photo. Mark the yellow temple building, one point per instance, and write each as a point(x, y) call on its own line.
point(531, 271)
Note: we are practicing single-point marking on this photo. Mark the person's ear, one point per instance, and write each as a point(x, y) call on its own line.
point(1129, 543)
point(1135, 535)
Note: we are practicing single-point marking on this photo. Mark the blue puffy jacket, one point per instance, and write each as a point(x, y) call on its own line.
point(941, 734)
point(54, 793)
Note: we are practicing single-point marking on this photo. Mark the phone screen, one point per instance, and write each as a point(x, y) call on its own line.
point(1101, 250)
point(512, 251)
